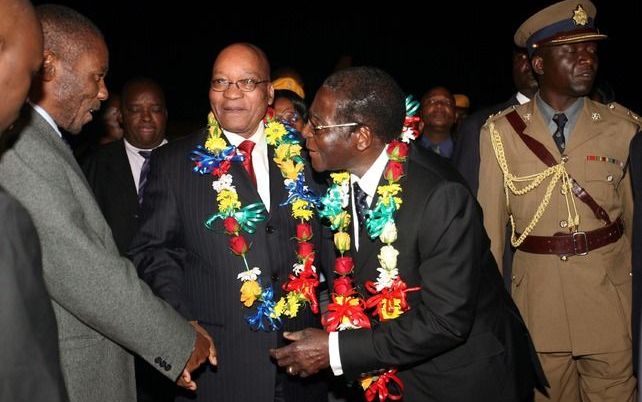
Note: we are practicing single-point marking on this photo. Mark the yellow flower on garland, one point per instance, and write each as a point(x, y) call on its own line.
point(340, 220)
point(290, 169)
point(215, 144)
point(389, 190)
point(285, 152)
point(366, 381)
point(228, 200)
point(301, 210)
point(390, 315)
point(342, 241)
point(340, 177)
point(274, 132)
point(250, 291)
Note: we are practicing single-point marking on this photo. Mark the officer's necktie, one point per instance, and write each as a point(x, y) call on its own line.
point(560, 119)
point(246, 148)
point(142, 181)
point(360, 202)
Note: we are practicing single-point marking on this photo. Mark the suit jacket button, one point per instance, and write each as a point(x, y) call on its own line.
point(168, 367)
point(270, 229)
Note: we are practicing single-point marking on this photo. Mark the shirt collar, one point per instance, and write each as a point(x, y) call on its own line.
point(129, 146)
point(370, 180)
point(43, 113)
point(571, 112)
point(521, 98)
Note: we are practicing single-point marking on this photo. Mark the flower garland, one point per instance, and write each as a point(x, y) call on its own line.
point(388, 300)
point(215, 158)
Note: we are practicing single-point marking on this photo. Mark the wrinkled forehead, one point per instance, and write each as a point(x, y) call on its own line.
point(241, 59)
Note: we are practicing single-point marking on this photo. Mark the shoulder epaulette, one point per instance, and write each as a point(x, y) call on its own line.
point(624, 113)
point(495, 116)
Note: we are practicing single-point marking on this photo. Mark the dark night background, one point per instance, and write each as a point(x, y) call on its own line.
point(464, 46)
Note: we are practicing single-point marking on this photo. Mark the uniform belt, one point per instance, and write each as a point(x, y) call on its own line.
point(577, 243)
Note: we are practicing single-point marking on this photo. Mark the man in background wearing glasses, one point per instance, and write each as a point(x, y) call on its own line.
point(193, 268)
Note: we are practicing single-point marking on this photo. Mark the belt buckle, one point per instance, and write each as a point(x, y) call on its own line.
point(583, 243)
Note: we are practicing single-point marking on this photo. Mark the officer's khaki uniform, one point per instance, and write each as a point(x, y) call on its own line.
point(580, 306)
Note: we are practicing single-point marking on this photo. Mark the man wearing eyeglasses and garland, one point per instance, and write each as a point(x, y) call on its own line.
point(418, 308)
point(229, 234)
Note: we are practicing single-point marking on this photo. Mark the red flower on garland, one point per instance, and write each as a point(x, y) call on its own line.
point(393, 171)
point(238, 245)
point(305, 249)
point(397, 150)
point(343, 265)
point(303, 232)
point(231, 225)
point(343, 286)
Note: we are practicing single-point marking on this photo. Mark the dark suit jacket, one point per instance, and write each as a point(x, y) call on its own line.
point(110, 177)
point(463, 338)
point(635, 157)
point(466, 154)
point(193, 269)
point(30, 370)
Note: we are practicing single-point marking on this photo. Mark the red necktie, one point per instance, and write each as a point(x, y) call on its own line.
point(246, 148)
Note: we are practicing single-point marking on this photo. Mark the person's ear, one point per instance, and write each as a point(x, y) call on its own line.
point(363, 137)
point(420, 126)
point(119, 116)
point(537, 62)
point(270, 89)
point(48, 70)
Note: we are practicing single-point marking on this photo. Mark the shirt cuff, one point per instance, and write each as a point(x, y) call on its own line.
point(335, 357)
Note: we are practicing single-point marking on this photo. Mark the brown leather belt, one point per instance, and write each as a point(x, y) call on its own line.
point(578, 243)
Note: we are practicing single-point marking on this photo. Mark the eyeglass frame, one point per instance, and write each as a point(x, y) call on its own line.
point(322, 127)
point(229, 83)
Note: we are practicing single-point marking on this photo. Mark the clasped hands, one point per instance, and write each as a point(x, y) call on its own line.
point(203, 350)
point(306, 355)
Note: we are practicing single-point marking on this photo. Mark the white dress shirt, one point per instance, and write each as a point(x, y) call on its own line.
point(521, 98)
point(259, 161)
point(137, 160)
point(368, 183)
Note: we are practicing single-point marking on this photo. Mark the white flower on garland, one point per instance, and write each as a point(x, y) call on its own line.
point(388, 257)
point(298, 268)
point(385, 278)
point(407, 135)
point(389, 233)
point(250, 275)
point(223, 183)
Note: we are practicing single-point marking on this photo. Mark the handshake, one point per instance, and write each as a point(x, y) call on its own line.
point(203, 350)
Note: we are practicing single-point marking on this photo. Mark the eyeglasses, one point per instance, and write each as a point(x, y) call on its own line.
point(315, 128)
point(246, 85)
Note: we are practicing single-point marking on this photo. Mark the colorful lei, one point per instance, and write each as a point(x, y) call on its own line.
point(215, 158)
point(388, 300)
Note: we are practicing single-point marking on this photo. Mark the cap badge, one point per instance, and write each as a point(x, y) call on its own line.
point(579, 16)
point(595, 116)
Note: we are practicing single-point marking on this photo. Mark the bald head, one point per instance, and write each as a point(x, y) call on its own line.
point(20, 56)
point(246, 50)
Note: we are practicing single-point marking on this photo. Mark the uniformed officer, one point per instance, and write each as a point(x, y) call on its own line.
point(556, 168)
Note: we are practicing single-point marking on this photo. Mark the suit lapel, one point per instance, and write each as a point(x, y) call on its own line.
point(277, 189)
point(122, 171)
